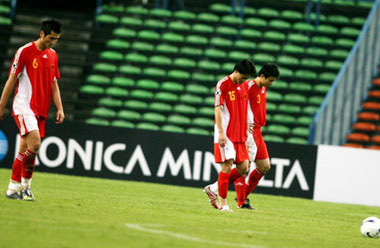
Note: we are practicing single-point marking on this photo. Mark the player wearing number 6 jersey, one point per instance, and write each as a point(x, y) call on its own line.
point(231, 125)
point(34, 71)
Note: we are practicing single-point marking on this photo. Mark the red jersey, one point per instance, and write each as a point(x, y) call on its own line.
point(257, 110)
point(36, 71)
point(234, 101)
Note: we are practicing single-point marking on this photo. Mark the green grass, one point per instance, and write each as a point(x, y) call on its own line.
point(88, 212)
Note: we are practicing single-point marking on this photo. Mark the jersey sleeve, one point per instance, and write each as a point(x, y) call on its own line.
point(18, 62)
point(219, 98)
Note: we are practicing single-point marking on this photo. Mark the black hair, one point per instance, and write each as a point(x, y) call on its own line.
point(246, 67)
point(51, 25)
point(270, 70)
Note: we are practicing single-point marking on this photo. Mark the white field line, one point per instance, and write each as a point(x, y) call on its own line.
point(188, 237)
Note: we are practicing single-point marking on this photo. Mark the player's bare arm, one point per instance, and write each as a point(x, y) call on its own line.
point(218, 119)
point(7, 91)
point(56, 95)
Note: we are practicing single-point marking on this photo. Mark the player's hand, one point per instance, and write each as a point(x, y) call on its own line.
point(60, 116)
point(221, 139)
point(2, 112)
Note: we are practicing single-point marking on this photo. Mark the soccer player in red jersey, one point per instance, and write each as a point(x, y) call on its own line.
point(34, 71)
point(231, 126)
point(257, 148)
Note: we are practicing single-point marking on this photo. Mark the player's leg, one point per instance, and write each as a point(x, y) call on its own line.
point(262, 167)
point(223, 184)
point(15, 181)
point(239, 183)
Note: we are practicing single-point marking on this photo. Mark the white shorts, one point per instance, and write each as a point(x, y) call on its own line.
point(252, 148)
point(28, 123)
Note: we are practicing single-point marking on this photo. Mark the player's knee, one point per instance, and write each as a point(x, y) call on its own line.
point(265, 168)
point(35, 146)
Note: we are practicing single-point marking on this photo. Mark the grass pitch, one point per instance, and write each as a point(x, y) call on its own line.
point(87, 212)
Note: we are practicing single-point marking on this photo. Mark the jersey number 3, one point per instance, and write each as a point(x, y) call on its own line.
point(232, 95)
point(258, 98)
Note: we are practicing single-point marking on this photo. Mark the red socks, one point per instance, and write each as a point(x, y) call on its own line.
point(28, 164)
point(223, 184)
point(16, 168)
point(233, 176)
point(254, 179)
point(240, 190)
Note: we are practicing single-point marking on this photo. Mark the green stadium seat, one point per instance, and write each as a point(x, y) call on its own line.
point(297, 140)
point(178, 120)
point(5, 9)
point(103, 112)
point(300, 131)
point(154, 23)
point(208, 17)
point(280, 24)
point(124, 32)
point(316, 100)
point(117, 44)
point(221, 42)
point(256, 22)
point(166, 96)
point(263, 58)
point(287, 60)
point(197, 40)
point(178, 74)
point(279, 85)
point(227, 67)
point(322, 88)
point(322, 40)
point(291, 15)
point(153, 117)
point(295, 98)
point(110, 102)
point(274, 96)
point(191, 99)
point(91, 90)
point(160, 60)
point(298, 38)
point(203, 77)
point(220, 8)
point(251, 33)
point(293, 49)
point(130, 69)
point(185, 109)
point(123, 82)
point(226, 30)
point(116, 92)
point(274, 35)
point(338, 19)
point(107, 19)
point(278, 129)
point(327, 76)
point(347, 43)
point(350, 31)
point(316, 51)
point(304, 120)
point(203, 122)
point(172, 129)
point(306, 74)
point(131, 21)
point(209, 101)
point(105, 67)
point(160, 107)
point(283, 119)
point(310, 110)
point(286, 72)
point(274, 138)
point(135, 104)
point(123, 124)
point(137, 10)
point(167, 49)
point(303, 27)
point(333, 64)
point(197, 131)
point(339, 53)
point(173, 37)
point(136, 58)
point(142, 46)
point(203, 28)
point(300, 86)
point(97, 121)
point(148, 84)
point(197, 89)
point(215, 53)
point(208, 65)
point(141, 94)
point(191, 51)
point(269, 46)
point(289, 108)
point(268, 12)
point(98, 79)
point(172, 86)
point(178, 26)
point(154, 72)
point(245, 44)
point(184, 63)
point(206, 111)
point(358, 21)
point(161, 13)
point(327, 29)
point(129, 115)
point(231, 20)
point(148, 35)
point(185, 15)
point(111, 55)
point(311, 62)
point(148, 126)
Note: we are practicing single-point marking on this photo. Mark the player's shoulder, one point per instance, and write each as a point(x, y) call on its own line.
point(222, 81)
point(25, 47)
point(251, 83)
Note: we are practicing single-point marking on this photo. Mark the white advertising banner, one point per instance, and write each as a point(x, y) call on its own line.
point(347, 175)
